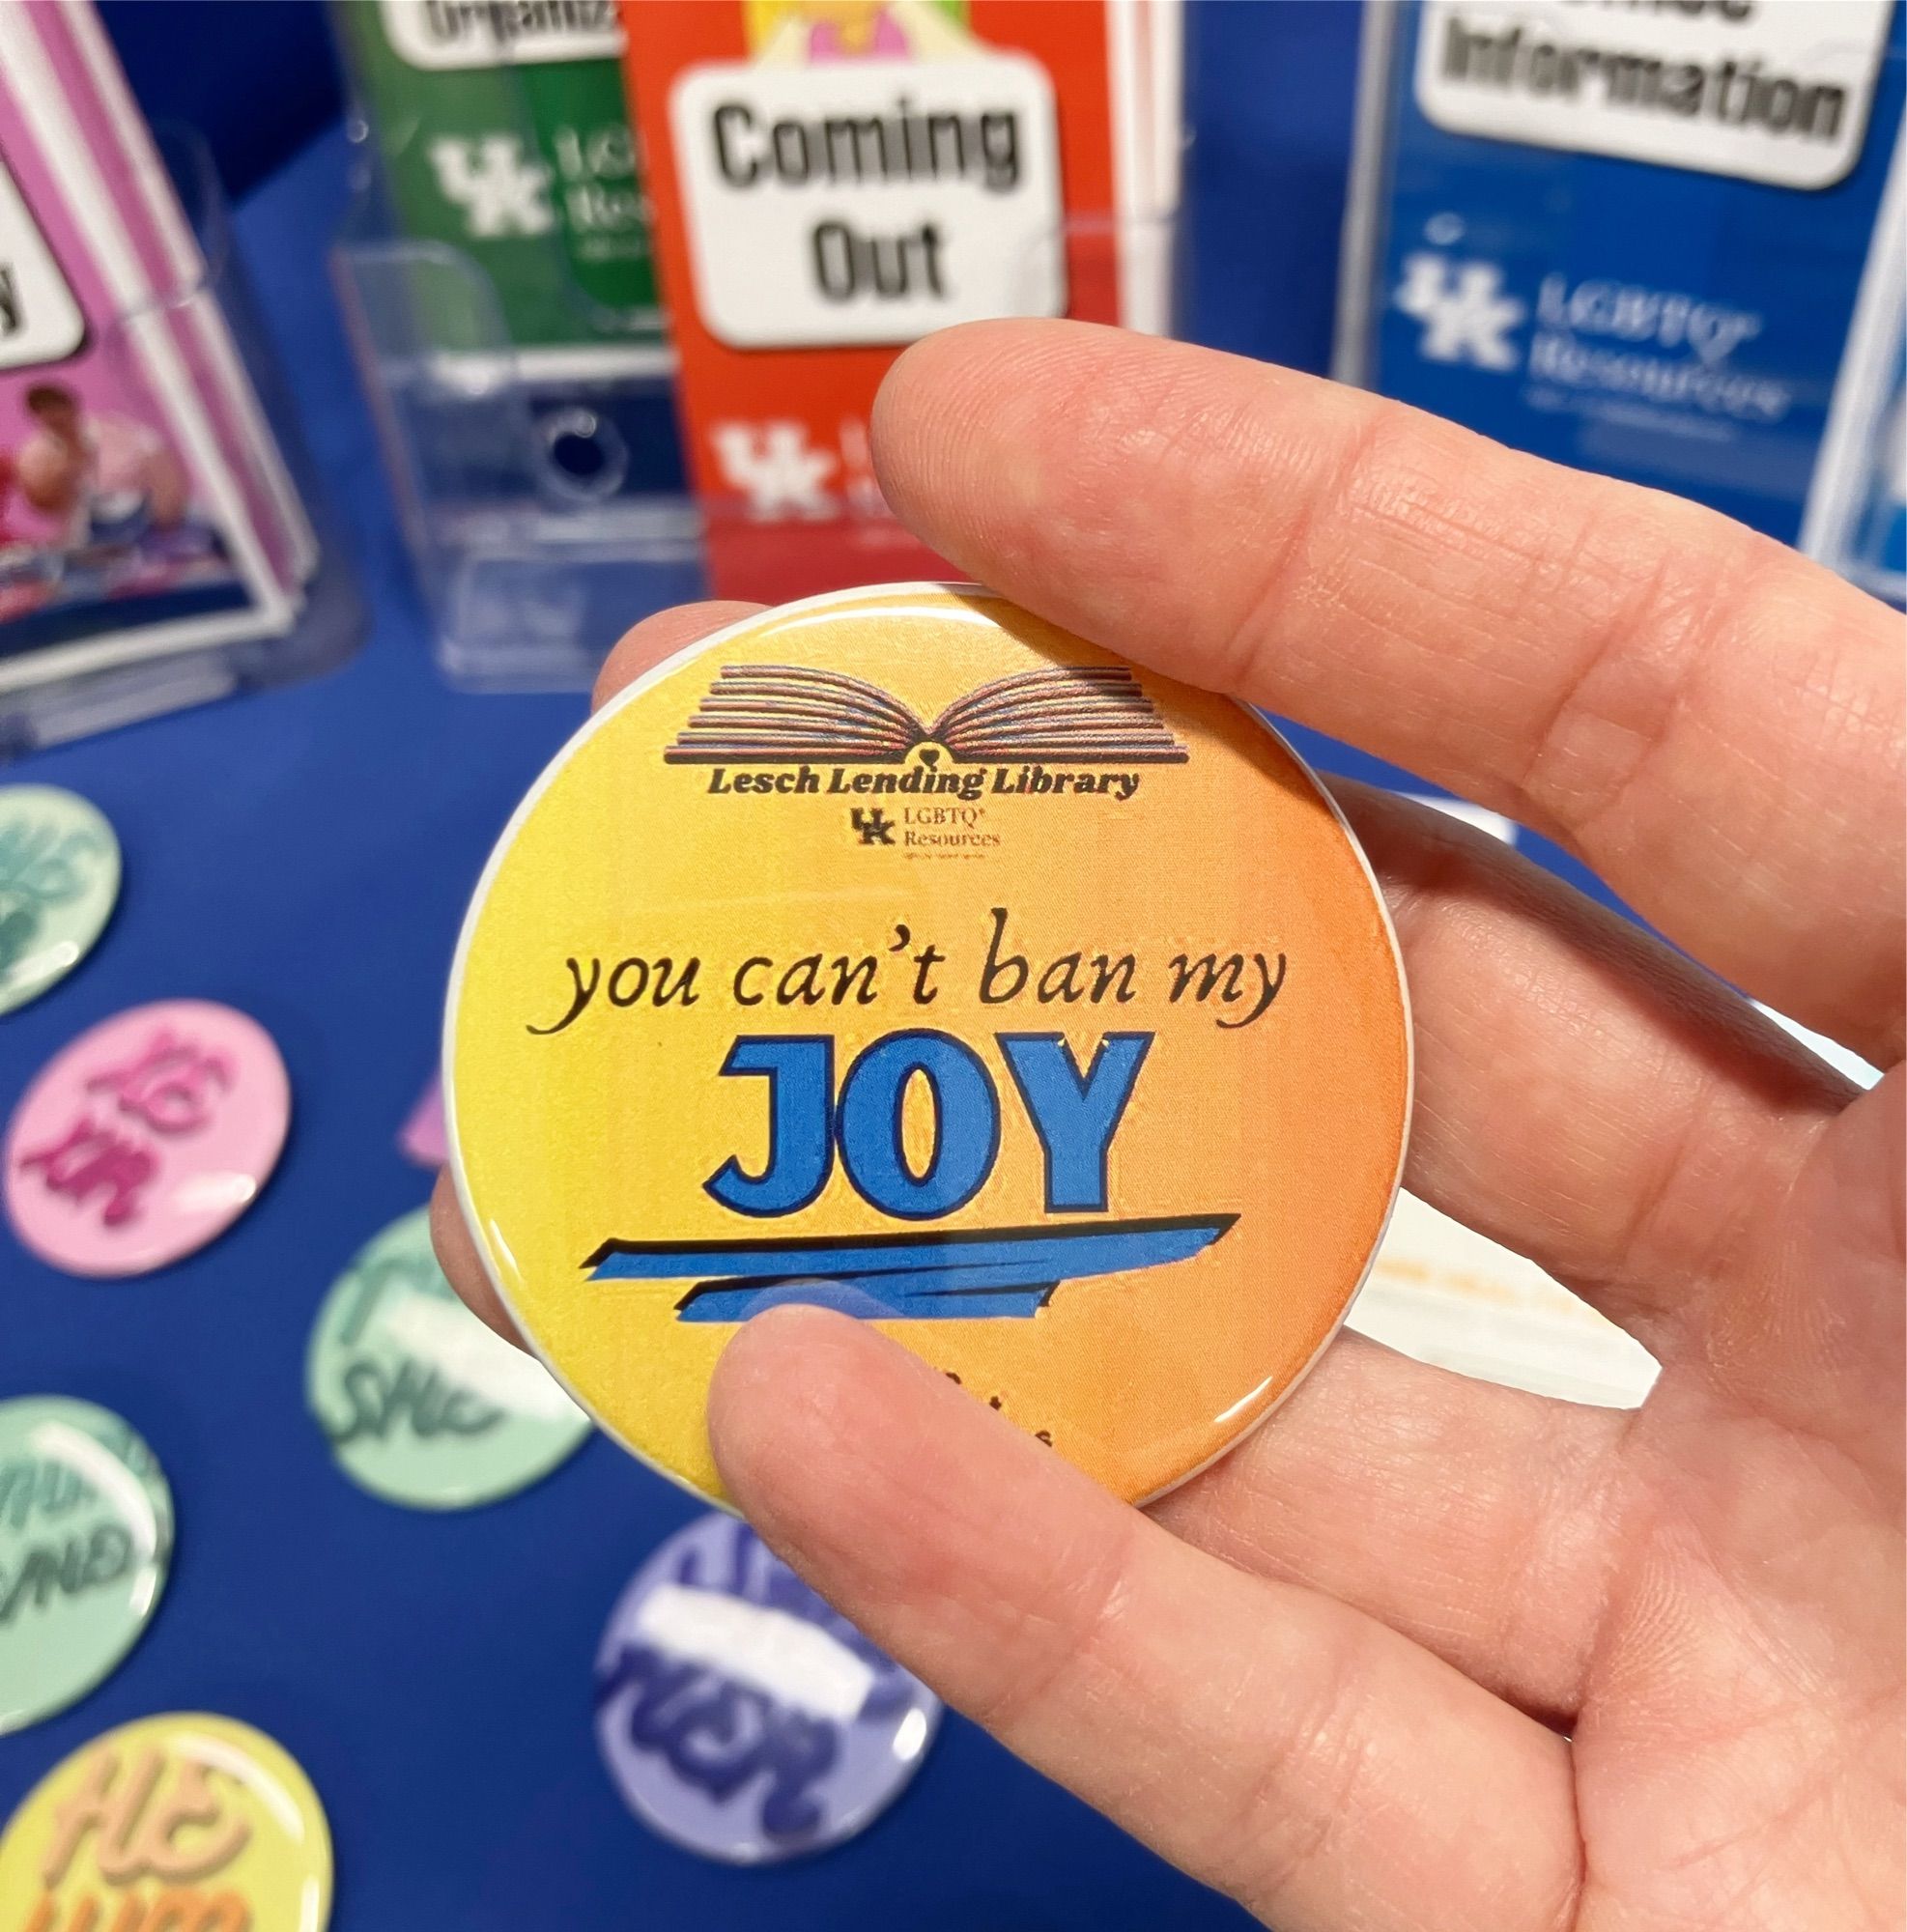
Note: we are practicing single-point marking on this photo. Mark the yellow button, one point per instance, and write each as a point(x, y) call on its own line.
point(184, 1820)
point(897, 952)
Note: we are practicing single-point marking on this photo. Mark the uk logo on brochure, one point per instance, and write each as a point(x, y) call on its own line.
point(773, 466)
point(498, 190)
point(1467, 315)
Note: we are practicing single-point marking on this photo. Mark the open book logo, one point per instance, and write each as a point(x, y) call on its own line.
point(785, 714)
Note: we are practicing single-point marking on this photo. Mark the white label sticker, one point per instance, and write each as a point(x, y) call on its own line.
point(1772, 91)
point(869, 201)
point(447, 34)
point(777, 1653)
point(40, 322)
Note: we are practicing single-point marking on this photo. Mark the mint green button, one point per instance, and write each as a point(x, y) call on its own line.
point(59, 881)
point(85, 1543)
point(421, 1404)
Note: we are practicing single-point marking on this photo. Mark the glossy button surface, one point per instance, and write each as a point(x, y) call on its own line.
point(897, 952)
point(420, 1402)
point(85, 1543)
point(184, 1821)
point(59, 881)
point(741, 1716)
point(146, 1136)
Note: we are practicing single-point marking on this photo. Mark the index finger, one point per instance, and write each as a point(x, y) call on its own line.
point(1710, 721)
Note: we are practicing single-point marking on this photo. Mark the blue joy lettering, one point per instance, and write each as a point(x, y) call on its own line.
point(1074, 1115)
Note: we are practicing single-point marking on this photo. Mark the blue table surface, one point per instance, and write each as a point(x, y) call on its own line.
point(306, 855)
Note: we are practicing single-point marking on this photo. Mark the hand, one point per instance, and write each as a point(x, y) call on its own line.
point(1425, 1653)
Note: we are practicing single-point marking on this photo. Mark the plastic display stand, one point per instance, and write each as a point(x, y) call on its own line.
point(541, 490)
point(331, 620)
point(546, 507)
point(543, 517)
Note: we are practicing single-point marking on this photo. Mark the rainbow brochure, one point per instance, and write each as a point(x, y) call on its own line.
point(833, 178)
point(145, 510)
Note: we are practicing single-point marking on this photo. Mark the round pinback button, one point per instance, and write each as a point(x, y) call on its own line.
point(59, 881)
point(740, 1716)
point(898, 951)
point(146, 1136)
point(186, 1821)
point(85, 1545)
point(421, 1402)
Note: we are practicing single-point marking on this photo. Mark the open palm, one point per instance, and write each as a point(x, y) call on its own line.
point(1426, 1653)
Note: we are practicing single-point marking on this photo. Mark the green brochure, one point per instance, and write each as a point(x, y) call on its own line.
point(504, 131)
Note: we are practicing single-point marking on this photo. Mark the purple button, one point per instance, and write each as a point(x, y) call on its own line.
point(146, 1136)
point(739, 1714)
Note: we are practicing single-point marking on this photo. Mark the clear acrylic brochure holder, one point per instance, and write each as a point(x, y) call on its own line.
point(542, 496)
point(330, 624)
point(547, 511)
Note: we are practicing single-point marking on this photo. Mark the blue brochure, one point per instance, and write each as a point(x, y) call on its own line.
point(1633, 239)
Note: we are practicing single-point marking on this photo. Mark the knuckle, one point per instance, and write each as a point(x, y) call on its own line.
point(1293, 1810)
point(1063, 1636)
point(1667, 612)
point(1366, 470)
